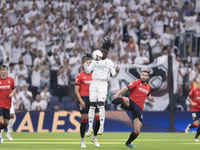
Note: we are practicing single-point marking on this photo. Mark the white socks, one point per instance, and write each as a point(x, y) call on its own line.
point(102, 116)
point(10, 125)
point(91, 114)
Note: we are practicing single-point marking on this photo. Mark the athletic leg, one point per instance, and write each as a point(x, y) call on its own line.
point(10, 126)
point(97, 125)
point(122, 100)
point(84, 120)
point(11, 122)
point(195, 122)
point(135, 133)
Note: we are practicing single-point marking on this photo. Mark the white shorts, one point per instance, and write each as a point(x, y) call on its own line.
point(12, 111)
point(98, 91)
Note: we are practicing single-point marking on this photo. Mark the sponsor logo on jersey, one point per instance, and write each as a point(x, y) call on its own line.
point(5, 87)
point(198, 98)
point(101, 67)
point(143, 90)
point(87, 82)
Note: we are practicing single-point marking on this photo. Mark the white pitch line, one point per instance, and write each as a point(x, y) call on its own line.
point(60, 143)
point(153, 140)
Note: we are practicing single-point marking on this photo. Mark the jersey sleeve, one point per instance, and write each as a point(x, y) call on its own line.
point(191, 94)
point(13, 84)
point(78, 80)
point(89, 68)
point(132, 85)
point(149, 91)
point(112, 70)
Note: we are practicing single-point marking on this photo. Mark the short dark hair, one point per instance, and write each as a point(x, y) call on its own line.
point(107, 43)
point(11, 65)
point(146, 71)
point(4, 66)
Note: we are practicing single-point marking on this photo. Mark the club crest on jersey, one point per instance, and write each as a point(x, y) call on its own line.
point(0, 82)
point(106, 63)
point(8, 81)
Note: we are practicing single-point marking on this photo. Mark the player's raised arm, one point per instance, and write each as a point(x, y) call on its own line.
point(89, 68)
point(114, 71)
point(120, 92)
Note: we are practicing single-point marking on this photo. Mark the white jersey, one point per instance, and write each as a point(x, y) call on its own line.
point(101, 69)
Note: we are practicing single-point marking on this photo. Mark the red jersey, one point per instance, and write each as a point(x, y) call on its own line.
point(6, 87)
point(84, 80)
point(139, 92)
point(195, 95)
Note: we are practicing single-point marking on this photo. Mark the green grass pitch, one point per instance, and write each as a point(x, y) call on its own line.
point(108, 141)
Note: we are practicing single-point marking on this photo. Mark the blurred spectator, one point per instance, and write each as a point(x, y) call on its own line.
point(75, 63)
point(45, 75)
point(21, 107)
point(20, 98)
point(156, 46)
point(141, 59)
point(12, 73)
point(145, 42)
point(27, 97)
point(167, 37)
point(35, 78)
point(16, 52)
point(2, 55)
point(39, 59)
point(22, 73)
point(38, 103)
point(159, 24)
point(56, 107)
point(45, 95)
point(63, 80)
point(27, 55)
point(55, 65)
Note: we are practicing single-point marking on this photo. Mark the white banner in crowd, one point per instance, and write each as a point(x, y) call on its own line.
point(158, 80)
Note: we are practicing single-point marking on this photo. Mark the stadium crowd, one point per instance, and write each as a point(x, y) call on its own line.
point(43, 41)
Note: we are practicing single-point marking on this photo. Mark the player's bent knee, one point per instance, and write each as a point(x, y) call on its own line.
point(101, 103)
point(93, 104)
point(196, 123)
point(137, 131)
point(12, 116)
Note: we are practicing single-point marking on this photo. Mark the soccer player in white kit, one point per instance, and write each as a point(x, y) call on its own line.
point(98, 88)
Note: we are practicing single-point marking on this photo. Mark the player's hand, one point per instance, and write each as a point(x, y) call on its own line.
point(194, 104)
point(115, 96)
point(117, 69)
point(82, 103)
point(16, 103)
point(152, 99)
point(84, 59)
point(10, 95)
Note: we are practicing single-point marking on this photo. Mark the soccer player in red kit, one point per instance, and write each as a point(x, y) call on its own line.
point(139, 91)
point(194, 99)
point(7, 90)
point(82, 84)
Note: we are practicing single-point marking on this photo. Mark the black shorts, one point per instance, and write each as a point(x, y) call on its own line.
point(195, 115)
point(5, 113)
point(87, 106)
point(136, 110)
